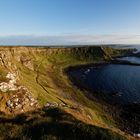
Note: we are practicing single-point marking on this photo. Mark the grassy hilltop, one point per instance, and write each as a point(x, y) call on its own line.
point(62, 110)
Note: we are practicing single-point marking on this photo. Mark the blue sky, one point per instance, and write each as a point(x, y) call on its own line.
point(64, 20)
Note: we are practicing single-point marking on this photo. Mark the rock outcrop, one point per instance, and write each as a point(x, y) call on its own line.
point(21, 101)
point(10, 86)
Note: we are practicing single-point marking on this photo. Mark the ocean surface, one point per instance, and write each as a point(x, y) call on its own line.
point(121, 83)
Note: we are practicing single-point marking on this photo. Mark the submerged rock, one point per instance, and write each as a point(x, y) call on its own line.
point(87, 71)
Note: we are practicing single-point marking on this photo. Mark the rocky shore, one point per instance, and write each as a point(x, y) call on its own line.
point(127, 116)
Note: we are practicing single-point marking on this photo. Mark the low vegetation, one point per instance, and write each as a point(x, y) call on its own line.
point(41, 71)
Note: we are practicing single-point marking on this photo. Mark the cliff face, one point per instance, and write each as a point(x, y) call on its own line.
point(26, 55)
point(34, 68)
point(37, 80)
point(41, 70)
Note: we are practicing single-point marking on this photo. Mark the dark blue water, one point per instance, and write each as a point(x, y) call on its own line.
point(120, 82)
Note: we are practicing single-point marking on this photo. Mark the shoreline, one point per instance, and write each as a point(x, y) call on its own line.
point(124, 115)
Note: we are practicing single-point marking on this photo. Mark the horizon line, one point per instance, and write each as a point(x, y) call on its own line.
point(69, 39)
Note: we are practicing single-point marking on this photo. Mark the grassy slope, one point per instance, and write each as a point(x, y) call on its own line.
point(48, 83)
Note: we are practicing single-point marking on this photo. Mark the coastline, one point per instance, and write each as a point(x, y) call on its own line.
point(53, 86)
point(123, 114)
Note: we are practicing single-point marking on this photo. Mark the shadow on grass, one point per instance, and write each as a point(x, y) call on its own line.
point(53, 124)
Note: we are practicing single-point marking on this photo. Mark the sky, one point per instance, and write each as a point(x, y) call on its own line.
point(48, 22)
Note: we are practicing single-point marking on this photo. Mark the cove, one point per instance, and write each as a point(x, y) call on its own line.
point(119, 83)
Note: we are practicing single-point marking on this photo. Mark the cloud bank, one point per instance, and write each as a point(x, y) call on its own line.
point(69, 40)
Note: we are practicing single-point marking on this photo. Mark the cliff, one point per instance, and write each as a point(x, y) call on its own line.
point(33, 79)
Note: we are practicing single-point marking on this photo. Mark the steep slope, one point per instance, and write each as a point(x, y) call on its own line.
point(40, 82)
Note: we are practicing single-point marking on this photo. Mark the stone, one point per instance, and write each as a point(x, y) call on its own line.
point(13, 88)
point(52, 105)
point(62, 104)
point(31, 104)
point(23, 98)
point(47, 105)
point(8, 103)
point(13, 81)
point(137, 135)
point(26, 100)
point(18, 106)
point(87, 71)
point(11, 76)
point(32, 99)
point(4, 87)
point(89, 117)
point(55, 104)
point(15, 99)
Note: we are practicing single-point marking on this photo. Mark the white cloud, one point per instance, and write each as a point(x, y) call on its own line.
point(69, 40)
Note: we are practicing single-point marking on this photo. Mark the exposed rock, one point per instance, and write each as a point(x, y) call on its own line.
point(19, 106)
point(10, 86)
point(26, 100)
point(16, 100)
point(27, 62)
point(50, 105)
point(137, 135)
point(4, 87)
point(47, 105)
point(11, 76)
point(21, 99)
point(62, 104)
point(89, 117)
point(87, 71)
point(31, 104)
point(54, 104)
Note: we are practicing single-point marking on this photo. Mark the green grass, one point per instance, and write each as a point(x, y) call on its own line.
point(49, 83)
point(49, 124)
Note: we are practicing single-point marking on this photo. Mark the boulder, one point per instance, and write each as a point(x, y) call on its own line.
point(4, 87)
